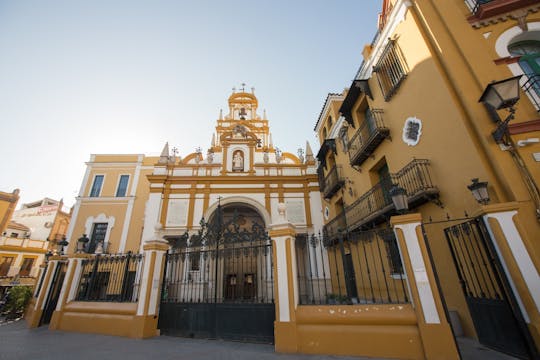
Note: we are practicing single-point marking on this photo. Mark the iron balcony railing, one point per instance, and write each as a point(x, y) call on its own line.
point(370, 134)
point(333, 181)
point(376, 205)
point(532, 88)
point(474, 5)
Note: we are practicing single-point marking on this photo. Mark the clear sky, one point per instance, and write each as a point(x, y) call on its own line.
point(81, 77)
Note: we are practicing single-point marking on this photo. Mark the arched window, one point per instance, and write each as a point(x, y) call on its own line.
point(526, 46)
point(324, 133)
point(528, 50)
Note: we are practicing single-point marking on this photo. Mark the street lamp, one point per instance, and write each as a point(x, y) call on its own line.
point(399, 198)
point(61, 244)
point(479, 191)
point(503, 94)
point(81, 243)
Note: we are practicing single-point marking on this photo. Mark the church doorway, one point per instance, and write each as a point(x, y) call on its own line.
point(218, 281)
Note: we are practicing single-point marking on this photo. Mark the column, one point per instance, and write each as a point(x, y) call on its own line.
point(69, 288)
point(146, 318)
point(285, 283)
point(437, 338)
point(37, 304)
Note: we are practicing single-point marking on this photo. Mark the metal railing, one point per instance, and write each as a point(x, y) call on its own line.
point(415, 178)
point(333, 181)
point(358, 268)
point(238, 273)
point(369, 135)
point(112, 278)
point(474, 5)
point(532, 88)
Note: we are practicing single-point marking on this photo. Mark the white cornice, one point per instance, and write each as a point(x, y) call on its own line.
point(396, 16)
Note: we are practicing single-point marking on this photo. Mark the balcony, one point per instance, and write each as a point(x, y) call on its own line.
point(370, 134)
point(375, 206)
point(332, 182)
point(486, 9)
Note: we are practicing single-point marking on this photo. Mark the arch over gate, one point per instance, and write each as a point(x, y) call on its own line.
point(219, 279)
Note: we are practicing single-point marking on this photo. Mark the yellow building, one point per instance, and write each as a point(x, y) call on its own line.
point(8, 202)
point(245, 242)
point(32, 232)
point(411, 122)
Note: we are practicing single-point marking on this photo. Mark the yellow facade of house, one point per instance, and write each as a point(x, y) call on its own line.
point(343, 269)
point(412, 119)
point(32, 232)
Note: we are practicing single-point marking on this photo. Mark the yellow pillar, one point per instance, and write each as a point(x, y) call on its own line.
point(37, 305)
point(285, 283)
point(437, 339)
point(69, 288)
point(146, 318)
point(517, 260)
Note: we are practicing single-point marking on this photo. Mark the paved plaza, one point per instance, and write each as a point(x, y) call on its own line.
point(19, 342)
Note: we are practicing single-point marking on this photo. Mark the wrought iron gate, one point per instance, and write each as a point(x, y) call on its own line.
point(220, 285)
point(54, 292)
point(492, 305)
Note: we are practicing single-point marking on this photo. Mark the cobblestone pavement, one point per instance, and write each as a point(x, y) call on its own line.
point(19, 342)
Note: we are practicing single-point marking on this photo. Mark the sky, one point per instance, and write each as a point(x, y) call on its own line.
point(120, 77)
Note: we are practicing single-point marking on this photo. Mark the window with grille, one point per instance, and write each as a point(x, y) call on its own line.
point(391, 70)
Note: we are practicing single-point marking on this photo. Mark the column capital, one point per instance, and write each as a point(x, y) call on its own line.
point(160, 245)
point(496, 208)
point(279, 230)
point(406, 219)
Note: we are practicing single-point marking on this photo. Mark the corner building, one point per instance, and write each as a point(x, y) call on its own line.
point(412, 122)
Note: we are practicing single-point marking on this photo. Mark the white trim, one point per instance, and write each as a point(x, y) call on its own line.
point(101, 218)
point(52, 265)
point(282, 280)
point(74, 215)
point(100, 188)
point(144, 282)
point(118, 185)
point(520, 254)
point(85, 180)
point(155, 291)
point(420, 275)
point(76, 281)
point(59, 304)
point(129, 210)
point(243, 200)
point(396, 16)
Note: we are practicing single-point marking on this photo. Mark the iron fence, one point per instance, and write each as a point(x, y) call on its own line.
point(357, 268)
point(236, 272)
point(113, 278)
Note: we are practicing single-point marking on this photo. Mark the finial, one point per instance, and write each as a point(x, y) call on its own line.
point(220, 114)
point(253, 90)
point(243, 87)
point(264, 114)
point(234, 89)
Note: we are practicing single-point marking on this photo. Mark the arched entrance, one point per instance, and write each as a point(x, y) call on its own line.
point(218, 279)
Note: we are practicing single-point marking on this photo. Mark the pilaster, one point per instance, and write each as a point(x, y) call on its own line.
point(437, 338)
